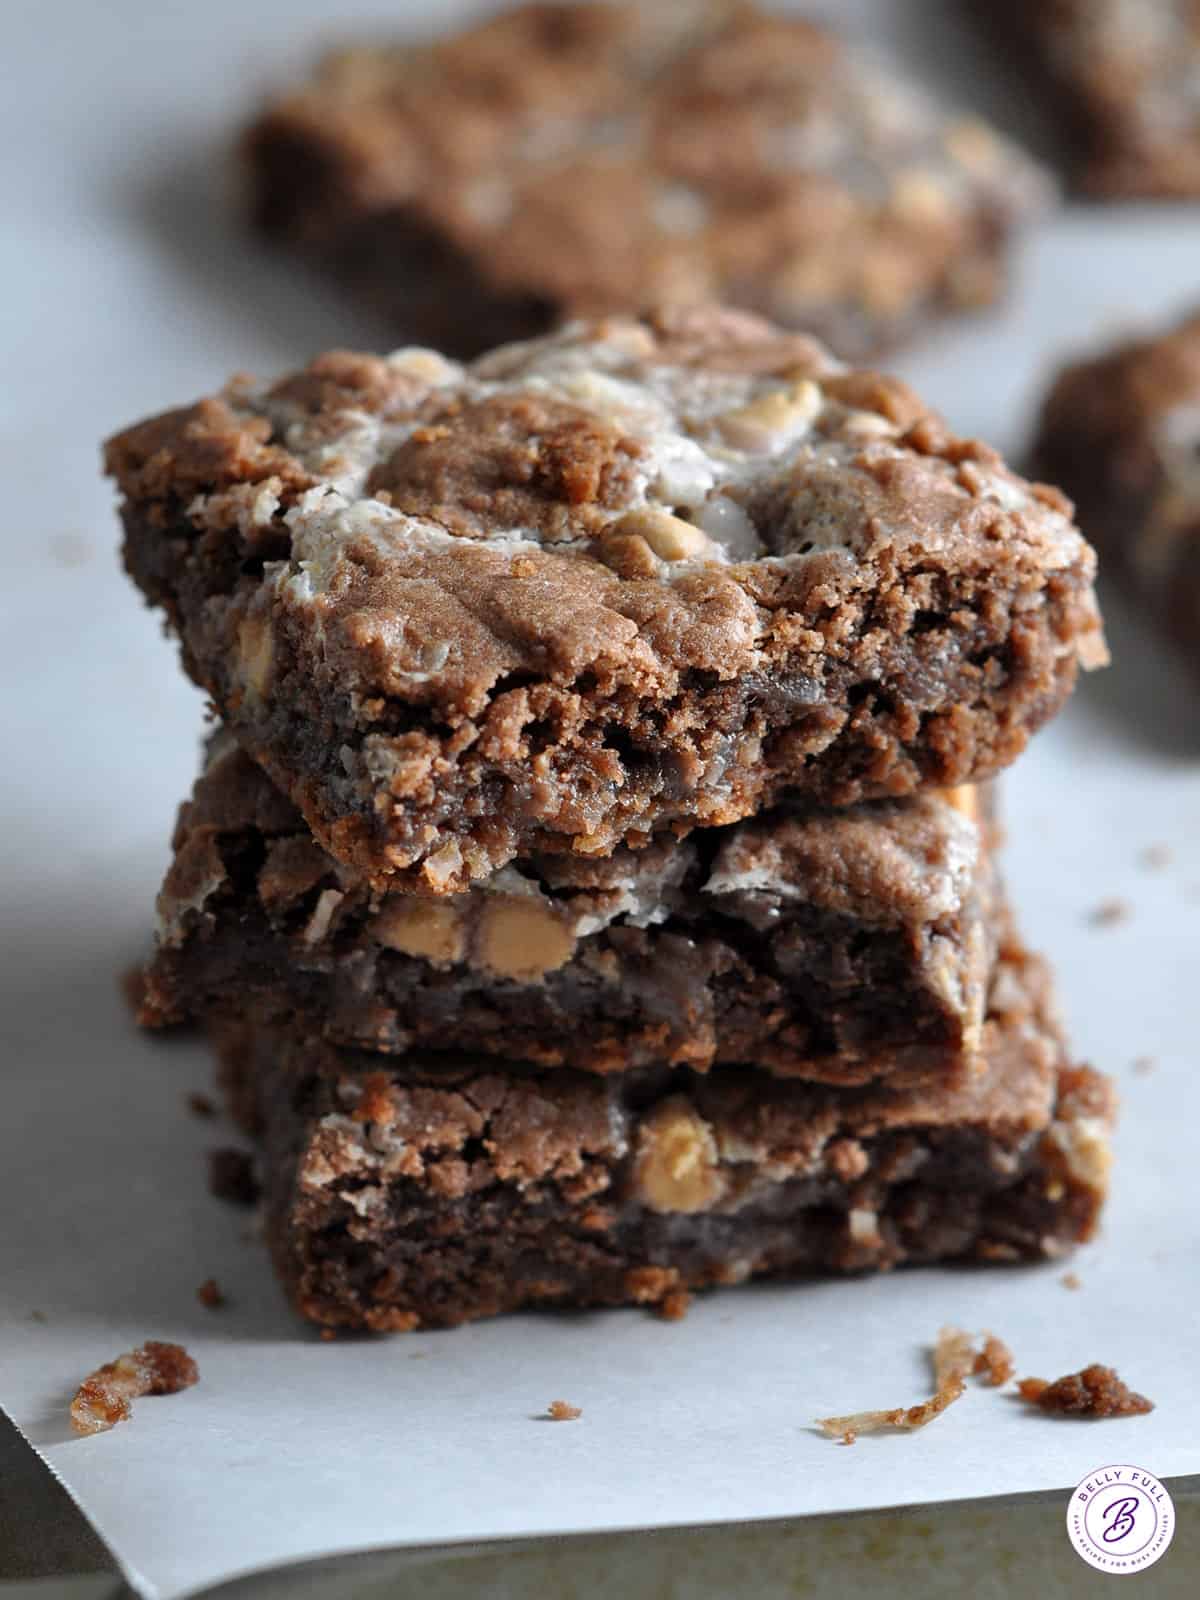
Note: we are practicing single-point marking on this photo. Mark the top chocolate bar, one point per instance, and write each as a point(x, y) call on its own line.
point(566, 160)
point(636, 575)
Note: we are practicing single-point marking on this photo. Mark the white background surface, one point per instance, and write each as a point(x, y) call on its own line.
point(125, 289)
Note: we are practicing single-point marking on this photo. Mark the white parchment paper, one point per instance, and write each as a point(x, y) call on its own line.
point(124, 290)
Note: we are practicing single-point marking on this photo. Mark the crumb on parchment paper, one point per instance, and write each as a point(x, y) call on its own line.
point(560, 1411)
point(673, 1307)
point(210, 1294)
point(231, 1176)
point(1071, 1280)
point(994, 1362)
point(105, 1396)
point(200, 1105)
point(1110, 912)
point(954, 1357)
point(1094, 1392)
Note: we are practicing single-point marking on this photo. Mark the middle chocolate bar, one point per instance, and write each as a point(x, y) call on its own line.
point(843, 946)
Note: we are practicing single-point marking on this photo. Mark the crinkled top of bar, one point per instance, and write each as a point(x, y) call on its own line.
point(669, 151)
point(627, 499)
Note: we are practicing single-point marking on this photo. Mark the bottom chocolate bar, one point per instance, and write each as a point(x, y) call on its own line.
point(427, 1191)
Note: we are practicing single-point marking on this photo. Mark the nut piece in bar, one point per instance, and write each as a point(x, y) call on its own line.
point(833, 945)
point(1121, 432)
point(434, 1190)
point(565, 160)
point(1125, 81)
point(450, 611)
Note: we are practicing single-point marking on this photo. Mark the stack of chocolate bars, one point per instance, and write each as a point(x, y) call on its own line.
point(590, 890)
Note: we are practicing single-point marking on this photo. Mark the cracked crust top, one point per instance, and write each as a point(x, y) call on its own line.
point(622, 515)
point(688, 150)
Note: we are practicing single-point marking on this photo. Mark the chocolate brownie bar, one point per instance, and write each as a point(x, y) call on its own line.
point(840, 946)
point(1126, 77)
point(1121, 432)
point(635, 575)
point(567, 160)
point(437, 1190)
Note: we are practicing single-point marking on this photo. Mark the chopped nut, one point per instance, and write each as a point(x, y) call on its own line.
point(425, 366)
point(256, 653)
point(1097, 1391)
point(677, 1166)
point(443, 865)
point(774, 419)
point(428, 929)
point(868, 424)
point(318, 924)
point(104, 1398)
point(963, 798)
point(863, 1225)
point(667, 536)
point(627, 554)
point(1085, 1148)
point(522, 937)
point(560, 1411)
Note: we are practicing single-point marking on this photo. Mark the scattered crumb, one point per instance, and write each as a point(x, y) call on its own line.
point(70, 550)
point(1109, 912)
point(200, 1105)
point(132, 983)
point(560, 1411)
point(231, 1176)
point(1157, 856)
point(673, 1307)
point(1144, 1065)
point(209, 1294)
point(328, 1335)
point(1071, 1280)
point(1095, 1392)
point(953, 1361)
point(995, 1361)
point(38, 1316)
point(105, 1397)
